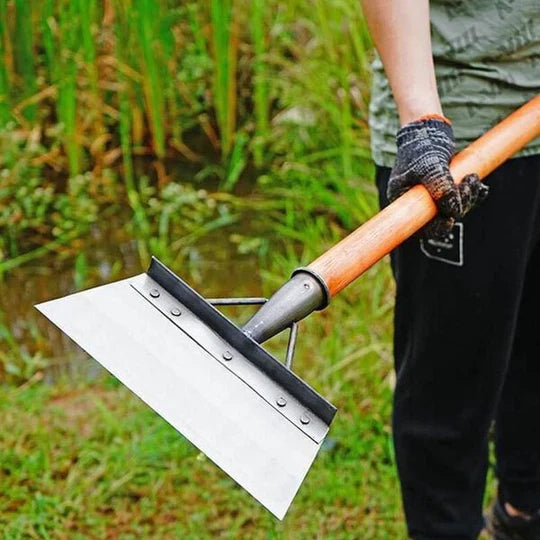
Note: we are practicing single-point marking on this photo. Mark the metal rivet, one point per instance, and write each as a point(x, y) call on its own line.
point(227, 355)
point(281, 401)
point(307, 286)
point(176, 312)
point(305, 419)
point(154, 293)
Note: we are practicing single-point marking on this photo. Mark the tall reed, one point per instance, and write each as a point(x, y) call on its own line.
point(86, 12)
point(60, 36)
point(225, 48)
point(67, 85)
point(126, 98)
point(146, 13)
point(336, 47)
point(24, 56)
point(5, 114)
point(168, 71)
point(260, 79)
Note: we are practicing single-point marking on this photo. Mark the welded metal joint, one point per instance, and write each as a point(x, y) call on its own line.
point(320, 282)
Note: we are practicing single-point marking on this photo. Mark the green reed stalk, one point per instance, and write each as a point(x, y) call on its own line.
point(146, 12)
point(122, 32)
point(24, 54)
point(361, 39)
point(169, 65)
point(68, 40)
point(327, 34)
point(260, 84)
point(225, 51)
point(125, 126)
point(47, 24)
point(346, 114)
point(86, 12)
point(340, 61)
point(5, 114)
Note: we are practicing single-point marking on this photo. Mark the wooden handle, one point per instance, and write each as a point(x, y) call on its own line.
point(351, 257)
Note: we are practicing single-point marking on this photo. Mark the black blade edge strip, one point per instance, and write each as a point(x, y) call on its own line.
point(256, 354)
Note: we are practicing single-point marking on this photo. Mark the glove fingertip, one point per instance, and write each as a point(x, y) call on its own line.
point(483, 192)
point(439, 228)
point(471, 178)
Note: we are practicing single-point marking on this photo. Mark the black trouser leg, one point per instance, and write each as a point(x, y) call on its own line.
point(518, 417)
point(457, 306)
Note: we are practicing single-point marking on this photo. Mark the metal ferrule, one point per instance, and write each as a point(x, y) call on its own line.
point(296, 299)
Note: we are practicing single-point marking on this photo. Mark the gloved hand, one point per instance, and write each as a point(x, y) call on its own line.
point(424, 150)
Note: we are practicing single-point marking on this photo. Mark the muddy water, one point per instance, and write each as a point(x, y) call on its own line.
point(213, 266)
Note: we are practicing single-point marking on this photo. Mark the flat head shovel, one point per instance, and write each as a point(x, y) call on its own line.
point(212, 380)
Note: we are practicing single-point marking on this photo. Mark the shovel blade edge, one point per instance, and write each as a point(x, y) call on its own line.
point(179, 378)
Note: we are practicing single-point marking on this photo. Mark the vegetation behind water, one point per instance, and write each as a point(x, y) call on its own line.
point(265, 93)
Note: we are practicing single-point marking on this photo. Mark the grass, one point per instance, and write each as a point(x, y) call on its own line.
point(93, 461)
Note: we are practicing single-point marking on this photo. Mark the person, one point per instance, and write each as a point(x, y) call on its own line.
point(467, 319)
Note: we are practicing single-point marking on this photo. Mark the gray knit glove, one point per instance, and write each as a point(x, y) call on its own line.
point(424, 150)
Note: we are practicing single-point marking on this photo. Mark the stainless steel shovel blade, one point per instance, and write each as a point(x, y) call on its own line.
point(243, 408)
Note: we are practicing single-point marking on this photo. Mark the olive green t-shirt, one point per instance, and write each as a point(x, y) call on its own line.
point(487, 62)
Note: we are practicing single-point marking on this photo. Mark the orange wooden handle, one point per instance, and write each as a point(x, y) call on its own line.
point(351, 257)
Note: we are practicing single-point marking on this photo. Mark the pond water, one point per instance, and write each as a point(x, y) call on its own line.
point(107, 253)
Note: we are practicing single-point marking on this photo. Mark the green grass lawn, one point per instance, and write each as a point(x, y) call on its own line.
point(94, 461)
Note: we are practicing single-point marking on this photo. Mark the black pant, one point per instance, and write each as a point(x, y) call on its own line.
point(467, 352)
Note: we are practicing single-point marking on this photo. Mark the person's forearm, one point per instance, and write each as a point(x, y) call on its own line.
point(401, 32)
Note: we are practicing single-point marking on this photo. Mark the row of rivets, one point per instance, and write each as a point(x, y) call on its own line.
point(154, 293)
point(281, 402)
point(227, 355)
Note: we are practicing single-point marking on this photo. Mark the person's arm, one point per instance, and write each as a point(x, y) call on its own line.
point(401, 32)
point(425, 143)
